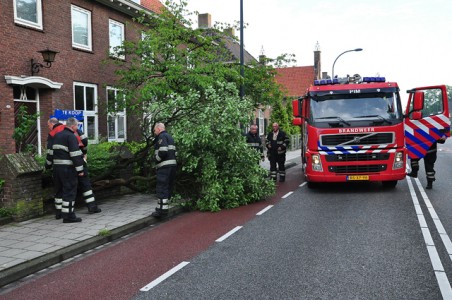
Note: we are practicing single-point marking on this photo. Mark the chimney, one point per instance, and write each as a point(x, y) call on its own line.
point(204, 21)
point(229, 31)
point(317, 62)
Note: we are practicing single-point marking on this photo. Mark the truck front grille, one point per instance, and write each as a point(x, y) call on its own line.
point(357, 169)
point(357, 139)
point(357, 157)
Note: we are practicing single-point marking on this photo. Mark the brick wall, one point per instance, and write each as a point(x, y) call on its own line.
point(71, 64)
point(22, 189)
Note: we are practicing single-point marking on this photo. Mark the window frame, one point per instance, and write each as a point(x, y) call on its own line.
point(89, 113)
point(112, 53)
point(117, 115)
point(37, 24)
point(261, 125)
point(89, 46)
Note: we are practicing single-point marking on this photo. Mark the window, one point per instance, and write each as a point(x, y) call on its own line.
point(28, 12)
point(85, 99)
point(433, 102)
point(116, 38)
point(136, 1)
point(261, 122)
point(81, 28)
point(116, 119)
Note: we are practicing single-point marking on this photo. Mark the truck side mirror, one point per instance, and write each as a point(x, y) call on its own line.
point(296, 111)
point(416, 115)
point(418, 101)
point(296, 121)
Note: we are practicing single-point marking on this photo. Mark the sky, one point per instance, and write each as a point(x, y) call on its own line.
point(409, 42)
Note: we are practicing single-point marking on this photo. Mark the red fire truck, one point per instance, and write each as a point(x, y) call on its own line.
point(354, 129)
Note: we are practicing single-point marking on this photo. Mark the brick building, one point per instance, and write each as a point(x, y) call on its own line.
point(80, 78)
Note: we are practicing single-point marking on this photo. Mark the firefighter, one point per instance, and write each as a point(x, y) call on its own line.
point(54, 126)
point(277, 143)
point(254, 141)
point(67, 162)
point(84, 183)
point(429, 164)
point(165, 158)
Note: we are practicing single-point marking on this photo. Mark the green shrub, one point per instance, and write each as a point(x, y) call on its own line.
point(102, 157)
point(6, 212)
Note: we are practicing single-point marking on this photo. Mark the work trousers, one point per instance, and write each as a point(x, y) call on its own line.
point(429, 164)
point(166, 176)
point(280, 160)
point(65, 179)
point(84, 186)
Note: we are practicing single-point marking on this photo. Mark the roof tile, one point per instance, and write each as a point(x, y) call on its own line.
point(295, 79)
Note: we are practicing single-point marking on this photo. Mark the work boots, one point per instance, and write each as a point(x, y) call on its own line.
point(429, 185)
point(71, 218)
point(412, 174)
point(93, 208)
point(159, 213)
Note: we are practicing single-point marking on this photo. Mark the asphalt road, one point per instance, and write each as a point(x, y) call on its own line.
point(339, 241)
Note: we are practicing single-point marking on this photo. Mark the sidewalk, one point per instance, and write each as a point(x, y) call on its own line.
point(30, 246)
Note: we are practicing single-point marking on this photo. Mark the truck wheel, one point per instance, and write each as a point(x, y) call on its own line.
point(312, 185)
point(390, 184)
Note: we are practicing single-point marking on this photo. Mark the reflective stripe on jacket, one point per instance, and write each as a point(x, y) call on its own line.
point(165, 150)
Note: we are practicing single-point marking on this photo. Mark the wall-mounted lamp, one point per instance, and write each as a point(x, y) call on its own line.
point(48, 56)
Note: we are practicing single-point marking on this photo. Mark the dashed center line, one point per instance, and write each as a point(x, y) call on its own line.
point(229, 234)
point(264, 210)
point(161, 278)
point(287, 195)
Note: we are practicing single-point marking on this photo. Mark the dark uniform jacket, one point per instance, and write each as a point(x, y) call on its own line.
point(254, 141)
point(49, 157)
point(82, 140)
point(282, 141)
point(165, 150)
point(66, 151)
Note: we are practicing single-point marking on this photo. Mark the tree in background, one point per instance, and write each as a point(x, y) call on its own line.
point(279, 115)
point(178, 76)
point(292, 129)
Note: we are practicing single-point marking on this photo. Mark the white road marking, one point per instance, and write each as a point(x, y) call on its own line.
point(439, 226)
point(302, 184)
point(164, 276)
point(228, 234)
point(264, 210)
point(441, 277)
point(287, 195)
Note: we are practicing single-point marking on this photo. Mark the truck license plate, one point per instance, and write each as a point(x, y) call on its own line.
point(358, 177)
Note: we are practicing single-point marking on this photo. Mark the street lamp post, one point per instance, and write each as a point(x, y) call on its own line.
point(242, 87)
point(357, 49)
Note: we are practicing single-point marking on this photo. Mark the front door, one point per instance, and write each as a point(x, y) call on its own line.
point(26, 120)
point(427, 119)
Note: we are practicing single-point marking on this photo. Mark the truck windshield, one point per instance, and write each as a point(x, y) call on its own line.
point(360, 109)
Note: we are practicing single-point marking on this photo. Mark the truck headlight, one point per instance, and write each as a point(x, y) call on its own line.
point(398, 161)
point(316, 163)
